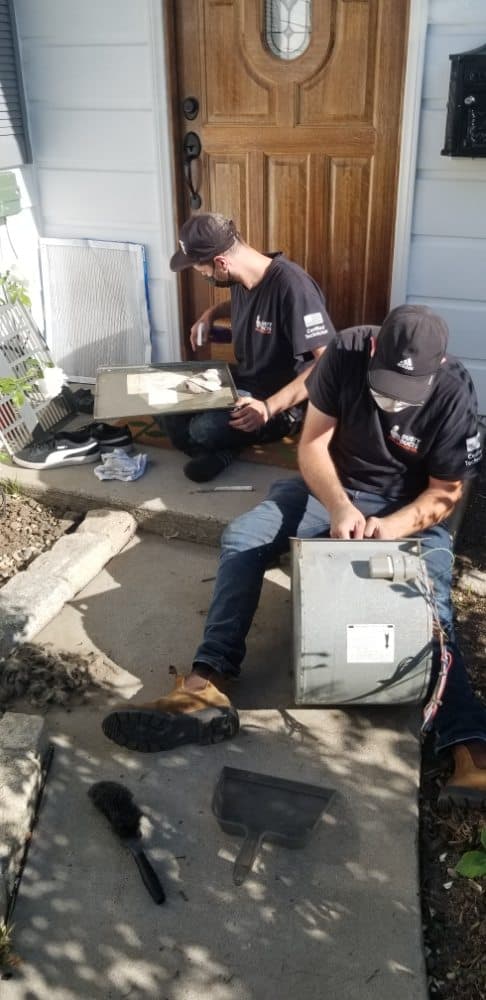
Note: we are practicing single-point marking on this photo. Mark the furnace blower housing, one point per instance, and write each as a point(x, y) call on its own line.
point(363, 613)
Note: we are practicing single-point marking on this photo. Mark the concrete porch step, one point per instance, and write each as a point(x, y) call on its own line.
point(162, 500)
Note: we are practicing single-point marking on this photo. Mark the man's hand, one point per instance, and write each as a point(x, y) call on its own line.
point(374, 528)
point(378, 527)
point(347, 522)
point(201, 329)
point(200, 332)
point(248, 414)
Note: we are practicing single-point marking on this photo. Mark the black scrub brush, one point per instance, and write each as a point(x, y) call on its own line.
point(116, 802)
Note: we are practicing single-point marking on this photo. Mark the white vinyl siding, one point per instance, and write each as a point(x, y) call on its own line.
point(94, 76)
point(447, 258)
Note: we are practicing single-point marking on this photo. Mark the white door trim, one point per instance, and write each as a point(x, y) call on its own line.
point(165, 187)
point(412, 98)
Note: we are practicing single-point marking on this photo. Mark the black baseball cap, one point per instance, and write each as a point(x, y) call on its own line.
point(201, 239)
point(409, 350)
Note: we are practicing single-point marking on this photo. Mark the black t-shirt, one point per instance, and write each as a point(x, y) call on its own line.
point(394, 454)
point(275, 326)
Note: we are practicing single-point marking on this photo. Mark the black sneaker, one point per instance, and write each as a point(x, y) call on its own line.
point(68, 448)
point(110, 437)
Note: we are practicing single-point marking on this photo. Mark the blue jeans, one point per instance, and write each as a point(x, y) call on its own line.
point(252, 542)
point(209, 430)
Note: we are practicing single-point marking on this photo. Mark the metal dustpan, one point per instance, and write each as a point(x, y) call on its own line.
point(259, 806)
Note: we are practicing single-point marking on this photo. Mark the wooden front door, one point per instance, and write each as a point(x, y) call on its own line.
point(302, 153)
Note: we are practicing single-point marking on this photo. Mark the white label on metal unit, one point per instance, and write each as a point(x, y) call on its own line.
point(370, 643)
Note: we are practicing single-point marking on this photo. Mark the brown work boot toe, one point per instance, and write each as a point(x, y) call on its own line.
point(467, 785)
point(184, 716)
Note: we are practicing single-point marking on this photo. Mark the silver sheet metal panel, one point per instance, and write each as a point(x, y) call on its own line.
point(179, 387)
point(359, 639)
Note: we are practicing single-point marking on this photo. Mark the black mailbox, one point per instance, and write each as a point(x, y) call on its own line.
point(466, 108)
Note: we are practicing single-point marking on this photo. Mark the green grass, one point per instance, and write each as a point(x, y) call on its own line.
point(11, 488)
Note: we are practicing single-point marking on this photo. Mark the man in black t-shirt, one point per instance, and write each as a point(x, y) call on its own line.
point(390, 436)
point(279, 327)
point(381, 443)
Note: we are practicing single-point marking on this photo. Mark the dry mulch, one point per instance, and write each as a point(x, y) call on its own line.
point(27, 528)
point(33, 673)
point(453, 907)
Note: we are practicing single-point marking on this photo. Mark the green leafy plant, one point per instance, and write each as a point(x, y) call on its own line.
point(473, 863)
point(12, 290)
point(18, 386)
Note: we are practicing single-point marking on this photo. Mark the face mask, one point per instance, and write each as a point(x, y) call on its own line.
point(218, 282)
point(389, 405)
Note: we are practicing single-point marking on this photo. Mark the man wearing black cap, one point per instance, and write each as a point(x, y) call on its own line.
point(390, 437)
point(279, 326)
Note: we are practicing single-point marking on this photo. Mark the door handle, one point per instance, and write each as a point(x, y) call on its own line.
point(192, 151)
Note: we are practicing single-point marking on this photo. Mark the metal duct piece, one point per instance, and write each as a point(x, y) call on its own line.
point(363, 613)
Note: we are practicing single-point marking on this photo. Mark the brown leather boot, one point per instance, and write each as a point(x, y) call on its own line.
point(467, 785)
point(183, 716)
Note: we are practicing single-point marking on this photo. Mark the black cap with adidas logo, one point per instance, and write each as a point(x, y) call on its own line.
point(410, 348)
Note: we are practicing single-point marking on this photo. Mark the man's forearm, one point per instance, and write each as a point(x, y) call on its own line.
point(291, 394)
point(429, 508)
point(320, 474)
point(222, 310)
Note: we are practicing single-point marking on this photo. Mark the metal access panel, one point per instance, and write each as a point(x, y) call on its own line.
point(178, 387)
point(359, 639)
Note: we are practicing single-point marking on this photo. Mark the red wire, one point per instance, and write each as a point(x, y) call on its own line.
point(433, 705)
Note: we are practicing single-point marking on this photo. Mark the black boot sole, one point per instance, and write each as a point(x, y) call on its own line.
point(149, 732)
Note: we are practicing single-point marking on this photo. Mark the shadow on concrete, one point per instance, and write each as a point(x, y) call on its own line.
point(337, 918)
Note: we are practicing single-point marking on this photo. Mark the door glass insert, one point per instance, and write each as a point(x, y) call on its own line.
point(288, 27)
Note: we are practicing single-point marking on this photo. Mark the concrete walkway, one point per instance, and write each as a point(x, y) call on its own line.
point(163, 500)
point(341, 917)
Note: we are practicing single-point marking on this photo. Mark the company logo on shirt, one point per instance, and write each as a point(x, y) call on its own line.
point(474, 450)
point(314, 324)
point(263, 326)
point(406, 364)
point(406, 441)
